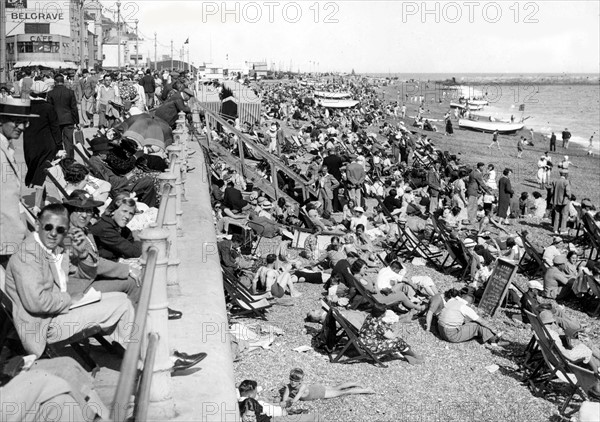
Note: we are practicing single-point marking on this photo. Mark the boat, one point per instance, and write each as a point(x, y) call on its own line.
point(338, 103)
point(490, 126)
point(333, 95)
point(473, 107)
point(478, 102)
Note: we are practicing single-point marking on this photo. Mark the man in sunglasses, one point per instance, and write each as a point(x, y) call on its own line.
point(14, 118)
point(42, 284)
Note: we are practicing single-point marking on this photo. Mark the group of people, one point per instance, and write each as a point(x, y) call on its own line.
point(77, 265)
point(411, 182)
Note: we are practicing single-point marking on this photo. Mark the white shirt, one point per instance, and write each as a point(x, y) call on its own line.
point(386, 275)
point(57, 262)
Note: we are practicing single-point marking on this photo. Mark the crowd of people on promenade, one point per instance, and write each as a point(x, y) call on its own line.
point(71, 262)
point(368, 190)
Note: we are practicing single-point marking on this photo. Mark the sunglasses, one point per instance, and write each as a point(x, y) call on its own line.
point(25, 123)
point(59, 229)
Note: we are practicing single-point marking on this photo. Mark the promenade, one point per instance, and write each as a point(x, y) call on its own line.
point(205, 392)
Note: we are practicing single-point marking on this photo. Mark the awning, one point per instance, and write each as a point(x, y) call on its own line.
point(49, 64)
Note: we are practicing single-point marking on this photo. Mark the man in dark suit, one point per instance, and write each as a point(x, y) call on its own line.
point(65, 104)
point(149, 88)
point(169, 110)
point(474, 187)
point(561, 199)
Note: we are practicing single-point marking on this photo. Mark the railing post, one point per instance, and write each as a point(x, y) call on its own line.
point(174, 152)
point(161, 404)
point(170, 224)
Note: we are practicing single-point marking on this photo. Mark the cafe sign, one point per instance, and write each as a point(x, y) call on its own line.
point(55, 13)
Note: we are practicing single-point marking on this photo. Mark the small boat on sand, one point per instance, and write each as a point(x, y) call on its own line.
point(337, 103)
point(333, 95)
point(490, 126)
point(473, 107)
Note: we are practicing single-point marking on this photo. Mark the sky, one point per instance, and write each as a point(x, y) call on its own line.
point(378, 36)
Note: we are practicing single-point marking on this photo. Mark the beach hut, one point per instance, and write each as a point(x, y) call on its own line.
point(244, 99)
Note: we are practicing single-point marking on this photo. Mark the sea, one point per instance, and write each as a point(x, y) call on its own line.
point(551, 102)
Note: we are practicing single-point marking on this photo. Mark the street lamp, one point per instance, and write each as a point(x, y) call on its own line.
point(119, 33)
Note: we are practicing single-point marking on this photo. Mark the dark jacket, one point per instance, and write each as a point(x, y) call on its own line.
point(148, 83)
point(169, 110)
point(41, 141)
point(475, 186)
point(233, 199)
point(115, 242)
point(65, 104)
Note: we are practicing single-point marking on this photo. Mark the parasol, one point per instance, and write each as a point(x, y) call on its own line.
point(147, 130)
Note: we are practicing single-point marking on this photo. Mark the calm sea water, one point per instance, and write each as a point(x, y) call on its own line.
point(549, 107)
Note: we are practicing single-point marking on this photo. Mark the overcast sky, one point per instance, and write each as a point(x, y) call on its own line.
point(380, 36)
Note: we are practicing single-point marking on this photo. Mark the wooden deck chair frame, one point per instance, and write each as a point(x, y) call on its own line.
point(553, 361)
point(367, 296)
point(58, 186)
point(529, 258)
point(246, 306)
point(420, 249)
point(243, 289)
point(348, 331)
point(52, 349)
point(593, 234)
point(595, 288)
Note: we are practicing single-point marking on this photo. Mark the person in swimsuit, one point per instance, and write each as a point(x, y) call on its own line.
point(297, 390)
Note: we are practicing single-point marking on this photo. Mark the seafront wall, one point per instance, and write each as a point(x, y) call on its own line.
point(208, 394)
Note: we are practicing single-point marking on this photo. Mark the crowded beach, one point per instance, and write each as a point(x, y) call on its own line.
point(378, 261)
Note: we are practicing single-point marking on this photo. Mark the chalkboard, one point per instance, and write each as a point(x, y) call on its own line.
point(497, 286)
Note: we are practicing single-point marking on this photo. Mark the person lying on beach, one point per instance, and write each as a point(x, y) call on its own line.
point(297, 390)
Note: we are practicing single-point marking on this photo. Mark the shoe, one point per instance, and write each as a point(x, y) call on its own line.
point(173, 314)
point(182, 355)
point(181, 364)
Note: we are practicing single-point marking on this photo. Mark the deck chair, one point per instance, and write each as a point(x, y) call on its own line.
point(54, 349)
point(417, 248)
point(56, 183)
point(531, 263)
point(595, 288)
point(346, 337)
point(554, 364)
point(593, 234)
point(242, 304)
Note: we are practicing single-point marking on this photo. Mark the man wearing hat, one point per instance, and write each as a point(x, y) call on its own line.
point(578, 353)
point(176, 103)
point(561, 199)
point(327, 185)
point(557, 284)
point(530, 302)
point(475, 186)
point(14, 119)
point(553, 250)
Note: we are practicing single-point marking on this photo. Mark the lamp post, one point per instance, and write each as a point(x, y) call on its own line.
point(136, 43)
point(81, 35)
point(3, 42)
point(119, 34)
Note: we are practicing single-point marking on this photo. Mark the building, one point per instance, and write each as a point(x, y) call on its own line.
point(51, 34)
point(258, 69)
point(131, 49)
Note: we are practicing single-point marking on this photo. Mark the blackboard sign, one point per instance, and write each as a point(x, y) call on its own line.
point(497, 286)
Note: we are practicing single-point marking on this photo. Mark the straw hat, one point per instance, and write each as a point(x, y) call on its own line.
point(359, 209)
point(534, 284)
point(266, 205)
point(559, 259)
point(82, 200)
point(16, 107)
